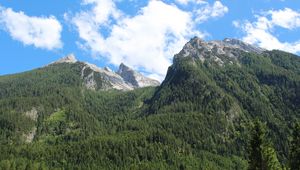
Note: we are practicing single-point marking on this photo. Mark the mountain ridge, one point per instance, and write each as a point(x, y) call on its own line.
point(124, 79)
point(218, 51)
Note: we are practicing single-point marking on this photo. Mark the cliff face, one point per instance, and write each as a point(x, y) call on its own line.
point(134, 78)
point(220, 52)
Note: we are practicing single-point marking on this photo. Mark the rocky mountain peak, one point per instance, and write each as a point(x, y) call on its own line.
point(95, 77)
point(109, 79)
point(123, 68)
point(216, 50)
point(235, 43)
point(67, 59)
point(135, 78)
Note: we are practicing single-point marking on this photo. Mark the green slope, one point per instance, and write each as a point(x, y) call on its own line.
point(229, 97)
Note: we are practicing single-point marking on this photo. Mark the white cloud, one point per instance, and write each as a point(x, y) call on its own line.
point(285, 18)
point(42, 32)
point(211, 11)
point(146, 41)
point(88, 24)
point(260, 32)
point(150, 39)
point(102, 10)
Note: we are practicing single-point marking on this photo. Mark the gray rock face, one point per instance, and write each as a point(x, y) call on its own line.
point(108, 78)
point(67, 59)
point(96, 78)
point(32, 114)
point(216, 50)
point(28, 138)
point(134, 78)
point(234, 43)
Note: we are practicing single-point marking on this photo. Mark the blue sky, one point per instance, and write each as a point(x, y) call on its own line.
point(142, 34)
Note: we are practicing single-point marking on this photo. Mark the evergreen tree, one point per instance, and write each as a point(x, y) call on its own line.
point(262, 156)
point(295, 148)
point(256, 141)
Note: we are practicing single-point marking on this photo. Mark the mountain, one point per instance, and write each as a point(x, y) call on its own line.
point(74, 115)
point(134, 78)
point(103, 79)
point(231, 83)
point(67, 59)
point(218, 51)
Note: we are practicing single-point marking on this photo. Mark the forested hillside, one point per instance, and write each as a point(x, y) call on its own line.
point(206, 114)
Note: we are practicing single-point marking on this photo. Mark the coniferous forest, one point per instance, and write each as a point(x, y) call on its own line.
point(242, 115)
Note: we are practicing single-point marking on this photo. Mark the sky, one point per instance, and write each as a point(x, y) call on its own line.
point(143, 34)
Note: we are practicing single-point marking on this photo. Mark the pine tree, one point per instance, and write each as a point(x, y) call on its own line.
point(257, 140)
point(262, 156)
point(295, 148)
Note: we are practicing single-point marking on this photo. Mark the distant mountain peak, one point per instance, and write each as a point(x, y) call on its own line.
point(135, 78)
point(70, 58)
point(124, 79)
point(111, 80)
point(123, 68)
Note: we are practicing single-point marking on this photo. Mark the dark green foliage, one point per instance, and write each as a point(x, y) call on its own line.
point(262, 155)
point(199, 117)
point(295, 148)
point(256, 146)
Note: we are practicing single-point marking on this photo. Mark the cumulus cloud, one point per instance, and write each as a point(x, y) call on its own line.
point(260, 32)
point(42, 32)
point(146, 41)
point(151, 38)
point(286, 18)
point(210, 11)
point(88, 24)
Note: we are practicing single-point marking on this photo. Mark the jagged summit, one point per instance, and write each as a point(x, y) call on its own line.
point(123, 68)
point(96, 78)
point(67, 59)
point(102, 78)
point(228, 43)
point(217, 50)
point(135, 78)
point(243, 45)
